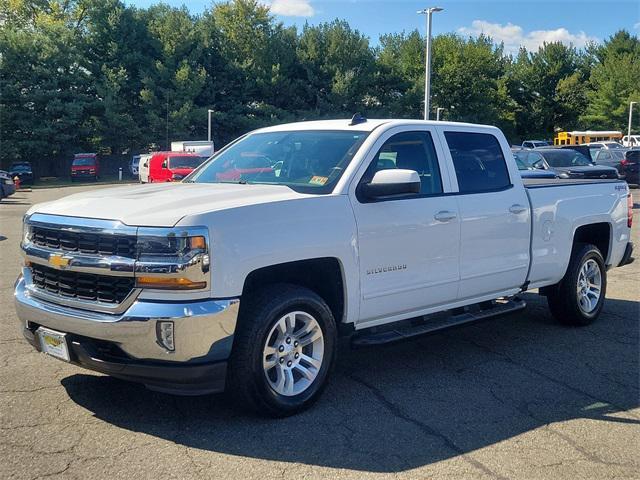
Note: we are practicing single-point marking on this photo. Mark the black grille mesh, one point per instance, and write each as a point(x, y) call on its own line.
point(84, 286)
point(92, 243)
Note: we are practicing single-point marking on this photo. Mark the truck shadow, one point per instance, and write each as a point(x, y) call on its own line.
point(407, 405)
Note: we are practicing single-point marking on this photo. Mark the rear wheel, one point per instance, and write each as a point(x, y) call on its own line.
point(579, 297)
point(283, 352)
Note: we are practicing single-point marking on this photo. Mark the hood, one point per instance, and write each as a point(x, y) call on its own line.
point(595, 171)
point(162, 204)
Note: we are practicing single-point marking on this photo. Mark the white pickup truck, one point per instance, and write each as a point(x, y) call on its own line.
point(243, 276)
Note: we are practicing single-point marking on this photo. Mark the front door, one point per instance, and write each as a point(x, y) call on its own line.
point(408, 246)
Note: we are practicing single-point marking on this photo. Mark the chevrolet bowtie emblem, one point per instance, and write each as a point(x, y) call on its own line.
point(58, 261)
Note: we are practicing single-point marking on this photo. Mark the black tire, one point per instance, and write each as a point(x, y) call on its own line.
point(563, 298)
point(246, 380)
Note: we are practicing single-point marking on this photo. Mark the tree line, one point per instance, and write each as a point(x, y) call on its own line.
point(99, 75)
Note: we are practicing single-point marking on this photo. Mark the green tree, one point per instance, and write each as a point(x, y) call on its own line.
point(614, 82)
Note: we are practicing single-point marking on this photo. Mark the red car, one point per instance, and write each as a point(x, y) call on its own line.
point(172, 166)
point(85, 166)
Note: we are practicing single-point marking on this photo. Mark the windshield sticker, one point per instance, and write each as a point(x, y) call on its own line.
point(318, 180)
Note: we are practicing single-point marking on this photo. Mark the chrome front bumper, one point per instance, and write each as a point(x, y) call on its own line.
point(203, 332)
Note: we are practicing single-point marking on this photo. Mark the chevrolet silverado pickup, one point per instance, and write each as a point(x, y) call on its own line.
point(375, 229)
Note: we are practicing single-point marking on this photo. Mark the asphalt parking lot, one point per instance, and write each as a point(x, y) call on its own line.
point(514, 397)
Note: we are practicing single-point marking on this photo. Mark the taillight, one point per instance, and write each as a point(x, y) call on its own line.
point(629, 210)
point(624, 162)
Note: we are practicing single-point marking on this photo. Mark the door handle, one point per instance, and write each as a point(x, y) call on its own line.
point(517, 208)
point(444, 216)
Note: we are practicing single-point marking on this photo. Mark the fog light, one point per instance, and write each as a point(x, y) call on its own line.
point(164, 331)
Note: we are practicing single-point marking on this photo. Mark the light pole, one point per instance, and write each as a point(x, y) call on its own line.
point(629, 127)
point(438, 110)
point(427, 72)
point(209, 112)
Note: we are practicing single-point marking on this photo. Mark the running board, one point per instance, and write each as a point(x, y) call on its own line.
point(433, 323)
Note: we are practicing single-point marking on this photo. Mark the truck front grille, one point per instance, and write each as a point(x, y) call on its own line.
point(90, 243)
point(82, 286)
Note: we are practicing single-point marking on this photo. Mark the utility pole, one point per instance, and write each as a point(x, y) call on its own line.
point(427, 69)
point(209, 112)
point(438, 110)
point(630, 118)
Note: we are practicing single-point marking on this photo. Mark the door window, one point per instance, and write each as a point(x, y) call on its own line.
point(410, 151)
point(479, 163)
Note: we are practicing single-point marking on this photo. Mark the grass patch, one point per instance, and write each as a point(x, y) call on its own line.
point(54, 182)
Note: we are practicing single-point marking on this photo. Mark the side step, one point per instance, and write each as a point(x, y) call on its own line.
point(433, 323)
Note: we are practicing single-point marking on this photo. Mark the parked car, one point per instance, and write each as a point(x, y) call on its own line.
point(7, 187)
point(376, 229)
point(606, 144)
point(630, 166)
point(631, 141)
point(533, 144)
point(526, 169)
point(611, 157)
point(569, 163)
point(23, 171)
point(172, 166)
point(85, 166)
point(133, 165)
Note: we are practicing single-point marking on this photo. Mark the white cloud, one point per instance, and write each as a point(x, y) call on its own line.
point(291, 8)
point(513, 36)
point(637, 26)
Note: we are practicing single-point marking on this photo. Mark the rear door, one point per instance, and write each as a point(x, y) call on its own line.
point(407, 246)
point(494, 213)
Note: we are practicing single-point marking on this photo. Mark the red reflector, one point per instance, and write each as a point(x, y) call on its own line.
point(629, 210)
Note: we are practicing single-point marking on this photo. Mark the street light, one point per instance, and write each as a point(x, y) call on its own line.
point(438, 110)
point(427, 73)
point(629, 127)
point(209, 112)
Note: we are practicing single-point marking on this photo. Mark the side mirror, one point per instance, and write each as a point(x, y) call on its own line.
point(539, 165)
point(164, 164)
point(386, 183)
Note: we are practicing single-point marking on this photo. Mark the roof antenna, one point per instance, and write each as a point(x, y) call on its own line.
point(357, 118)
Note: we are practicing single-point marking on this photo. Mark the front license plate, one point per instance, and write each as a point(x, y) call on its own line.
point(53, 343)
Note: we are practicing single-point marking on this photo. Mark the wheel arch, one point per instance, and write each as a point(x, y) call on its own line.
point(598, 234)
point(324, 276)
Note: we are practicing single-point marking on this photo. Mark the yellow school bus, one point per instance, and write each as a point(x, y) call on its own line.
point(587, 136)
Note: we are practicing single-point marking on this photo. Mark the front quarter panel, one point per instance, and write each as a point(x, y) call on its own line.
point(247, 238)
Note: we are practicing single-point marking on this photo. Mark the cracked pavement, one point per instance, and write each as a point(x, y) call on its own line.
point(514, 397)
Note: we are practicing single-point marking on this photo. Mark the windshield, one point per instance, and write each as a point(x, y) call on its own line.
point(566, 158)
point(306, 161)
point(614, 145)
point(84, 161)
point(184, 162)
point(520, 161)
point(20, 167)
point(540, 144)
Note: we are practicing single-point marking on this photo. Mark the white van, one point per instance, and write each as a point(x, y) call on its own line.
point(143, 168)
point(631, 141)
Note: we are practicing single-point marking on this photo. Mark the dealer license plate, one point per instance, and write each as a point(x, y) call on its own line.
point(53, 343)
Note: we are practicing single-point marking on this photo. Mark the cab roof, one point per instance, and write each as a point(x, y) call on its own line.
point(367, 126)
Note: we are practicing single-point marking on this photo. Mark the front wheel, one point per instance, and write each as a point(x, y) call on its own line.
point(579, 297)
point(284, 350)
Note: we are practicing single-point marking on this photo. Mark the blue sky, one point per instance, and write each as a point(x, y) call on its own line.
point(527, 23)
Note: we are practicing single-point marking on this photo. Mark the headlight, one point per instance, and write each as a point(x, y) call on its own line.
point(26, 230)
point(173, 258)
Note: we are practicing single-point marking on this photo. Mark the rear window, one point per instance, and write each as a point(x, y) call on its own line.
point(633, 156)
point(478, 160)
